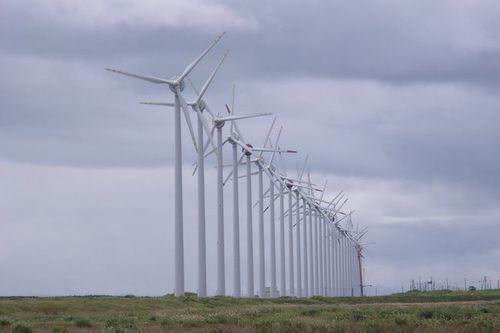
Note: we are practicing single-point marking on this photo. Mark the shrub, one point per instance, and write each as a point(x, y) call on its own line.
point(4, 322)
point(311, 312)
point(357, 316)
point(20, 328)
point(119, 325)
point(264, 326)
point(82, 323)
point(484, 310)
point(192, 323)
point(401, 321)
point(216, 330)
point(217, 318)
point(291, 327)
point(166, 323)
point(425, 314)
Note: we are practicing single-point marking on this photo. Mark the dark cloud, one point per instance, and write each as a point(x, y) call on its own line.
point(404, 42)
point(398, 98)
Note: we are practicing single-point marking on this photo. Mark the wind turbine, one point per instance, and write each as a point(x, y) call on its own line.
point(177, 85)
point(219, 122)
point(263, 167)
point(199, 105)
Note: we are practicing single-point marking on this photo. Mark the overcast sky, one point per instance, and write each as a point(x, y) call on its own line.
point(396, 103)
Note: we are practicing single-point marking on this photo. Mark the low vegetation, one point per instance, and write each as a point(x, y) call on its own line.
point(435, 312)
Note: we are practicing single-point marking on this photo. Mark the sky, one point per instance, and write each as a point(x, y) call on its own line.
point(396, 103)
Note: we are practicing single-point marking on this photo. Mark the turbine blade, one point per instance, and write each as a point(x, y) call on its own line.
point(205, 125)
point(269, 132)
point(232, 108)
point(304, 167)
point(277, 143)
point(185, 110)
point(282, 164)
point(257, 202)
point(209, 81)
point(324, 189)
point(158, 103)
point(309, 180)
point(212, 131)
point(190, 67)
point(151, 79)
point(233, 118)
point(231, 172)
point(270, 150)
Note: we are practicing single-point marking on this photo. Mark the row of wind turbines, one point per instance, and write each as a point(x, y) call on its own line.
point(322, 259)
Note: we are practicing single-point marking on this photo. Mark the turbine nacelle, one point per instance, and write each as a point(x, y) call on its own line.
point(247, 150)
point(177, 85)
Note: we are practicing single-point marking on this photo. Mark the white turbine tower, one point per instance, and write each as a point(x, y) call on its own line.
point(199, 105)
point(219, 122)
point(263, 167)
point(177, 85)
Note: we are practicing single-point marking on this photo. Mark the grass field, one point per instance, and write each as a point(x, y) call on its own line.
point(439, 311)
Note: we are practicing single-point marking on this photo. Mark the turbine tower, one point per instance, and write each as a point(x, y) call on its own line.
point(177, 85)
point(199, 106)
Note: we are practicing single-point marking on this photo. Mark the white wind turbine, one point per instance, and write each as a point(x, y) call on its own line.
point(177, 85)
point(199, 106)
point(219, 122)
point(236, 138)
point(276, 180)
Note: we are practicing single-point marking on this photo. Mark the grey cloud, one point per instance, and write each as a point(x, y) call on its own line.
point(405, 42)
point(401, 93)
point(431, 241)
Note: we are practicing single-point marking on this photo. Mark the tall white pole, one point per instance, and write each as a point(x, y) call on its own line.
point(299, 259)
point(332, 256)
point(341, 265)
point(179, 231)
point(221, 274)
point(349, 275)
point(332, 240)
point(250, 275)
point(311, 254)
point(262, 264)
point(351, 270)
point(360, 272)
point(306, 267)
point(336, 265)
point(325, 247)
point(348, 282)
point(236, 226)
point(329, 262)
point(316, 255)
point(355, 277)
point(282, 242)
point(341, 261)
point(272, 235)
point(321, 242)
point(291, 272)
point(344, 269)
point(202, 254)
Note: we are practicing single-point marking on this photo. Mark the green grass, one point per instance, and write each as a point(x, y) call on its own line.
point(435, 312)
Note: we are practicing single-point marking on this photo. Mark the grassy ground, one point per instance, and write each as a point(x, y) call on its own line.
point(410, 312)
